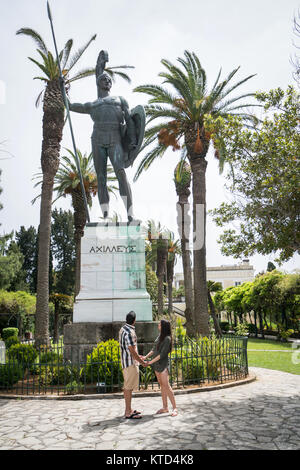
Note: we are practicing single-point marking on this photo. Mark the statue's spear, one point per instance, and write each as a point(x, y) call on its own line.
point(63, 90)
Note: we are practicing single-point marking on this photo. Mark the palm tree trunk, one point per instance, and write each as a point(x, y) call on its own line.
point(162, 254)
point(170, 276)
point(79, 224)
point(184, 220)
point(77, 239)
point(42, 297)
point(53, 123)
point(170, 297)
point(198, 167)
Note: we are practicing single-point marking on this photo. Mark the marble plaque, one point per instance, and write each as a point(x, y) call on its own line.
point(113, 279)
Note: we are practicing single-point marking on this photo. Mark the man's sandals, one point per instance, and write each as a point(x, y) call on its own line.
point(135, 415)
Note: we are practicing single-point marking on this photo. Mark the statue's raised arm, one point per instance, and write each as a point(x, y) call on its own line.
point(83, 108)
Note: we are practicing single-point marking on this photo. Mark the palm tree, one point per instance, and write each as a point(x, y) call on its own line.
point(173, 251)
point(66, 182)
point(156, 256)
point(214, 287)
point(53, 123)
point(189, 112)
point(182, 180)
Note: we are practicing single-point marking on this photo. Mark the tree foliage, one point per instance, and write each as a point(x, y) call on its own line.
point(274, 296)
point(26, 240)
point(63, 249)
point(263, 180)
point(11, 261)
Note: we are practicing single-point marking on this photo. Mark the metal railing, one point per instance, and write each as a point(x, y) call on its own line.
point(45, 371)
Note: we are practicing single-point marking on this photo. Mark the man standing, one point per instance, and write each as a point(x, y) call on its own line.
point(130, 360)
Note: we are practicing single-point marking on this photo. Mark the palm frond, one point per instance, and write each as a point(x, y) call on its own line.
point(77, 55)
point(42, 67)
point(66, 53)
point(35, 36)
point(148, 159)
point(241, 82)
point(114, 73)
point(88, 72)
point(39, 98)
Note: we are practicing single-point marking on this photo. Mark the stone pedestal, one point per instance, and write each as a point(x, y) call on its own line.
point(113, 282)
point(113, 279)
point(81, 338)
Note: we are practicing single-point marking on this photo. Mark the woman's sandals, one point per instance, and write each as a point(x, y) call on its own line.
point(164, 411)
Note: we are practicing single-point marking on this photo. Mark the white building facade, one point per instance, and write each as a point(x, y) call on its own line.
point(227, 275)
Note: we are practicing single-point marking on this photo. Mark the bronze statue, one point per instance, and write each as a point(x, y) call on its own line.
point(118, 134)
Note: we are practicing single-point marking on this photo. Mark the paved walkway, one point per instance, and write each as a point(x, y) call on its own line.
point(262, 415)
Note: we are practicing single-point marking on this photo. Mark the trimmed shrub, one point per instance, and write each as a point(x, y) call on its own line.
point(225, 326)
point(104, 364)
point(10, 374)
point(58, 375)
point(73, 388)
point(8, 332)
point(11, 340)
point(50, 357)
point(186, 369)
point(180, 332)
point(202, 359)
point(241, 329)
point(23, 353)
point(252, 328)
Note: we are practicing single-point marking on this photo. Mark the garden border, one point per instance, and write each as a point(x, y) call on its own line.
point(210, 388)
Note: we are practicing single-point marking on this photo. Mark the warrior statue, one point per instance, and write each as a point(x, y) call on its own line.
point(118, 134)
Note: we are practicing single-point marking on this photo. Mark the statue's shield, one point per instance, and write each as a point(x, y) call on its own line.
point(138, 116)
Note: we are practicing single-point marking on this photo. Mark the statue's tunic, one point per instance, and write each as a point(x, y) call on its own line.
point(108, 118)
point(111, 117)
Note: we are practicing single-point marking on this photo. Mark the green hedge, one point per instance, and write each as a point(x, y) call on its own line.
point(25, 354)
point(104, 364)
point(10, 374)
point(9, 332)
point(61, 374)
point(224, 326)
point(10, 341)
point(202, 359)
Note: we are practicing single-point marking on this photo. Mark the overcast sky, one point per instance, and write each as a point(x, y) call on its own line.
point(256, 35)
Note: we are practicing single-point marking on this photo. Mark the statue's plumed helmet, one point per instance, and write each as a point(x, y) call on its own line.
point(104, 74)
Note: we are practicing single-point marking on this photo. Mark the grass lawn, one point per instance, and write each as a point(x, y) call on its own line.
point(255, 343)
point(272, 359)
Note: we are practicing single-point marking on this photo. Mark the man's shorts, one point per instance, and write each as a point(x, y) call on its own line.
point(131, 377)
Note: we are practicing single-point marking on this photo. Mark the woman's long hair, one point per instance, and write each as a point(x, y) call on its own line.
point(165, 330)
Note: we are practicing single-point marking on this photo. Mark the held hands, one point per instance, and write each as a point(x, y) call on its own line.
point(144, 363)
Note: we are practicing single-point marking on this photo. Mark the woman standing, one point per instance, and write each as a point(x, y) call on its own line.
point(159, 363)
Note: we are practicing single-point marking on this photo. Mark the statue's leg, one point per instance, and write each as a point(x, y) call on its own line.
point(100, 164)
point(116, 158)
